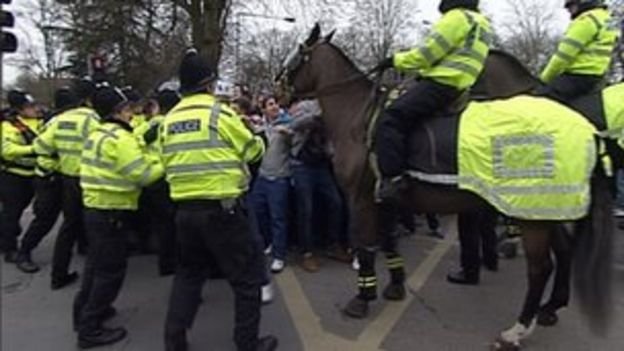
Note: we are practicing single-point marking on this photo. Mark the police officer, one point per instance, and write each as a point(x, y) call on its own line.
point(584, 54)
point(65, 137)
point(449, 63)
point(20, 127)
point(48, 192)
point(113, 170)
point(477, 240)
point(205, 147)
point(155, 200)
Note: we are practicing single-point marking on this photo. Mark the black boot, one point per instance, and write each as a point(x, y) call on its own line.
point(25, 264)
point(267, 343)
point(463, 277)
point(59, 283)
point(101, 337)
point(176, 342)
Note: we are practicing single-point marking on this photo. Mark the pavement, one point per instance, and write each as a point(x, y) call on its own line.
point(306, 314)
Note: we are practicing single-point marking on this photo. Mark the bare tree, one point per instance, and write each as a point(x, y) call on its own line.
point(528, 32)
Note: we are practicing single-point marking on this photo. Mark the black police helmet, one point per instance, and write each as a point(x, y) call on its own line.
point(167, 99)
point(84, 89)
point(447, 5)
point(131, 94)
point(195, 72)
point(18, 99)
point(584, 5)
point(108, 100)
point(65, 98)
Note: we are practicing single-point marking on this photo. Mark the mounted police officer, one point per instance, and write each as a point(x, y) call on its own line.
point(583, 56)
point(205, 148)
point(449, 62)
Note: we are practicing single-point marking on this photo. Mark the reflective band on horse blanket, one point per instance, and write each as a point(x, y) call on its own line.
point(529, 157)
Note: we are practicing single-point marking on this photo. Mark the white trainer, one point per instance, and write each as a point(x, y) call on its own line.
point(277, 265)
point(267, 294)
point(355, 265)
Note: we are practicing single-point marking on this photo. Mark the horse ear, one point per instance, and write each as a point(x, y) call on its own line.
point(330, 36)
point(315, 35)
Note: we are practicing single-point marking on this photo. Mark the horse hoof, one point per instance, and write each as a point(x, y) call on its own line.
point(547, 318)
point(394, 292)
point(356, 308)
point(502, 345)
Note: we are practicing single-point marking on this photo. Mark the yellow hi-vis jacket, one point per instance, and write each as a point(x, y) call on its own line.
point(205, 148)
point(66, 136)
point(17, 153)
point(47, 164)
point(586, 48)
point(613, 106)
point(455, 52)
point(530, 157)
point(114, 168)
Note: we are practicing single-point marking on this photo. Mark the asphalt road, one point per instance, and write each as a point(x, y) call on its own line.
point(305, 314)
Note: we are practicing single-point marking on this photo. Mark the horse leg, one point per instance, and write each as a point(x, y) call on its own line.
point(388, 218)
point(536, 240)
point(367, 284)
point(561, 245)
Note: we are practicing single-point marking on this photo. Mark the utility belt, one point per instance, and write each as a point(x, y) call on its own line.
point(223, 204)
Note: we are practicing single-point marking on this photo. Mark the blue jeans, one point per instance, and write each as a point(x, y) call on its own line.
point(269, 201)
point(310, 181)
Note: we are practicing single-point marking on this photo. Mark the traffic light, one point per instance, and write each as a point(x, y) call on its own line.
point(8, 41)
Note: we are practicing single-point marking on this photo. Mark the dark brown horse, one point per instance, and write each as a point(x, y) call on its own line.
point(321, 70)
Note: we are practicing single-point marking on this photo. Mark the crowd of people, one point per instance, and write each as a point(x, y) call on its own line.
point(222, 181)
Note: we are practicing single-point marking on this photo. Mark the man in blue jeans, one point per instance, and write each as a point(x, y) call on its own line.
point(269, 196)
point(313, 177)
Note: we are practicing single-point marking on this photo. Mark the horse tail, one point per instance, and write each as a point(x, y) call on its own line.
point(593, 256)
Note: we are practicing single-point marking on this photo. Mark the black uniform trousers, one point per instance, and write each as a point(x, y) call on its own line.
point(105, 267)
point(47, 207)
point(212, 237)
point(423, 100)
point(16, 193)
point(477, 239)
point(160, 210)
point(71, 229)
point(568, 87)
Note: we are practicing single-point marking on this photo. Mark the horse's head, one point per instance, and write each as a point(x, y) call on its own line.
point(302, 67)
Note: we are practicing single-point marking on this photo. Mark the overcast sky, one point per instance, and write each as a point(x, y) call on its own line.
point(427, 11)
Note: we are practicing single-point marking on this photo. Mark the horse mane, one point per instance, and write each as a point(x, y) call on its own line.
point(350, 62)
point(513, 61)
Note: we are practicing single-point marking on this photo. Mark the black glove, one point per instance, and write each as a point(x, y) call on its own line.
point(151, 135)
point(385, 64)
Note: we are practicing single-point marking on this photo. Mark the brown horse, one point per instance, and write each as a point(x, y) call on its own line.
point(321, 70)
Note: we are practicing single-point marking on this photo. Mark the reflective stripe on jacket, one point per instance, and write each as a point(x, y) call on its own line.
point(454, 53)
point(586, 47)
point(113, 169)
point(66, 136)
point(17, 155)
point(205, 148)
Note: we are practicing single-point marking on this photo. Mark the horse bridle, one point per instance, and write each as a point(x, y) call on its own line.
point(301, 55)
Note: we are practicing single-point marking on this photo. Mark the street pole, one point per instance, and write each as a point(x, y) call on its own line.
point(238, 33)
